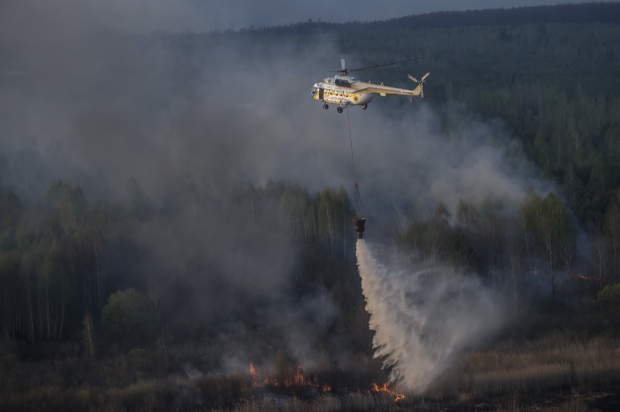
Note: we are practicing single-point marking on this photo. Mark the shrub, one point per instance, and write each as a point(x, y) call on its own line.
point(128, 317)
point(610, 295)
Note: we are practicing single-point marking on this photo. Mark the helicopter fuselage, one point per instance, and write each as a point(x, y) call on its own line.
point(342, 91)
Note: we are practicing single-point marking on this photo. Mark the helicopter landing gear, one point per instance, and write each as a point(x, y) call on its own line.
point(364, 106)
point(339, 109)
point(325, 106)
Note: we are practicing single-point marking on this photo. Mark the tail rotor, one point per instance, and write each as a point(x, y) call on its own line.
point(420, 83)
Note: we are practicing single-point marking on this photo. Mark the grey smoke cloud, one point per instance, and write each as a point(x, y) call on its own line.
point(100, 107)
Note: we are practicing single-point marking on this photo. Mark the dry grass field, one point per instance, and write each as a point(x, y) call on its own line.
point(556, 361)
point(557, 372)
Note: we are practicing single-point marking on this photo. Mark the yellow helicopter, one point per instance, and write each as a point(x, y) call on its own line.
point(344, 90)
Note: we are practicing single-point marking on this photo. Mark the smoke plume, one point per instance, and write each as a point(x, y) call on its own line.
point(422, 315)
point(189, 119)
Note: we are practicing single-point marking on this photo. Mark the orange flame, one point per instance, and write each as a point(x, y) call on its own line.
point(384, 389)
point(253, 374)
point(297, 380)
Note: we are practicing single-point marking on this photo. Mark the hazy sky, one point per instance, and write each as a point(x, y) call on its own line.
point(206, 15)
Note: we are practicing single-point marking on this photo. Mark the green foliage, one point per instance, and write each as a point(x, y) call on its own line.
point(609, 296)
point(128, 317)
point(608, 300)
point(51, 257)
point(612, 228)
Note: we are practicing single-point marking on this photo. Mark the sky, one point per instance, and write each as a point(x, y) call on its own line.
point(208, 15)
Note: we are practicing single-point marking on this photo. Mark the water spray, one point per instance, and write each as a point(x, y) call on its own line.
point(423, 314)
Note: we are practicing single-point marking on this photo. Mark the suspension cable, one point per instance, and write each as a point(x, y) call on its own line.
point(357, 199)
point(351, 141)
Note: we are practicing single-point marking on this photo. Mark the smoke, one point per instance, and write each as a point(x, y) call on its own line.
point(423, 315)
point(99, 107)
point(192, 116)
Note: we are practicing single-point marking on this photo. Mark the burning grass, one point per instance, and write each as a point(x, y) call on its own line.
point(554, 373)
point(299, 384)
point(384, 389)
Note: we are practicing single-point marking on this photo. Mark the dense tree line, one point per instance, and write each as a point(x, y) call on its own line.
point(58, 262)
point(57, 268)
point(50, 261)
point(566, 13)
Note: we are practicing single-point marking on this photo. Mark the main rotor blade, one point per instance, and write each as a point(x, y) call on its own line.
point(384, 66)
point(291, 70)
point(344, 67)
point(364, 69)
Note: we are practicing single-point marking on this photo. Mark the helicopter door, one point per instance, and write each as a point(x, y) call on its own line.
point(320, 94)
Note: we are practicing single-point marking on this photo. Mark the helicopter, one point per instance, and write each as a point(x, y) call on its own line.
point(344, 90)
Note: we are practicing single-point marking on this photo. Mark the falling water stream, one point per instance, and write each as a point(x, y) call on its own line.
point(423, 315)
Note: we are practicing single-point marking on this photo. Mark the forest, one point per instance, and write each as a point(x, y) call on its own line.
point(244, 295)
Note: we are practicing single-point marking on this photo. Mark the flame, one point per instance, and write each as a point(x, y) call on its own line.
point(297, 380)
point(384, 389)
point(253, 374)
